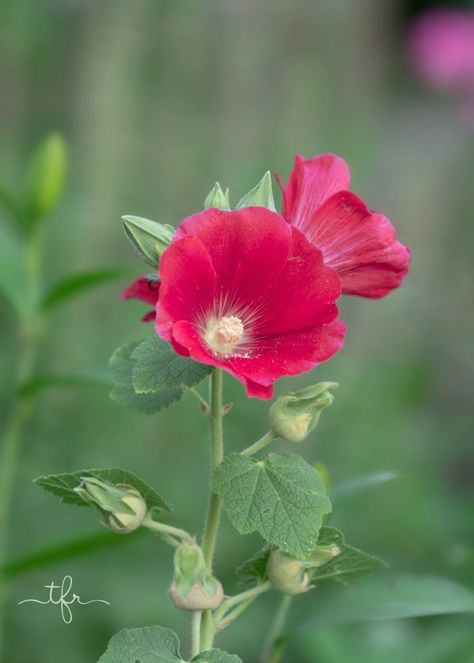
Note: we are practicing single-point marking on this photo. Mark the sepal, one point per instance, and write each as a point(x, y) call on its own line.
point(193, 587)
point(260, 196)
point(149, 238)
point(217, 198)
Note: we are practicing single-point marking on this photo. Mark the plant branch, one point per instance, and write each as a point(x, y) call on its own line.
point(202, 401)
point(172, 535)
point(271, 651)
point(196, 633)
point(225, 613)
point(258, 445)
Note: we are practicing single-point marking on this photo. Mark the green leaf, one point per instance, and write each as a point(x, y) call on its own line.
point(282, 498)
point(66, 550)
point(151, 644)
point(62, 485)
point(12, 275)
point(76, 284)
point(348, 565)
point(46, 175)
point(92, 378)
point(255, 568)
point(382, 597)
point(216, 656)
point(122, 365)
point(260, 196)
point(357, 485)
point(158, 367)
point(149, 238)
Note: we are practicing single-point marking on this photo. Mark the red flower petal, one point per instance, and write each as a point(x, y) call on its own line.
point(360, 245)
point(146, 290)
point(310, 184)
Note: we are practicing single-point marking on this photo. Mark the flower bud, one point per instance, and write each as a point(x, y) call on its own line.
point(120, 508)
point(149, 238)
point(217, 198)
point(46, 175)
point(193, 587)
point(294, 414)
point(322, 554)
point(260, 196)
point(286, 574)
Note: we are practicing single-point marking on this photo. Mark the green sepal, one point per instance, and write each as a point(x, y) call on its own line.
point(149, 238)
point(260, 196)
point(217, 198)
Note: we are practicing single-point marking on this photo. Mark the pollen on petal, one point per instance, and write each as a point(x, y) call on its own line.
point(222, 335)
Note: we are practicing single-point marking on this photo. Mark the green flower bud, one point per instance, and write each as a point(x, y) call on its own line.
point(149, 238)
point(322, 554)
point(193, 587)
point(45, 177)
point(217, 198)
point(120, 508)
point(286, 574)
point(260, 196)
point(294, 414)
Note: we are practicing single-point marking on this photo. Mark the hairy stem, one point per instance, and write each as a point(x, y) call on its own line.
point(214, 506)
point(172, 535)
point(232, 606)
point(258, 445)
point(272, 652)
point(196, 633)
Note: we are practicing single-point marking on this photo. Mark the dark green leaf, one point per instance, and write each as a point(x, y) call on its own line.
point(62, 485)
point(353, 487)
point(255, 568)
point(92, 378)
point(158, 367)
point(75, 285)
point(121, 365)
point(216, 656)
point(382, 597)
point(282, 497)
point(151, 644)
point(348, 565)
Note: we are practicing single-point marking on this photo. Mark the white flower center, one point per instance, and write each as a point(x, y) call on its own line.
point(223, 335)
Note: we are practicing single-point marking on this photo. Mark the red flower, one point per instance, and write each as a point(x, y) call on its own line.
point(359, 244)
point(146, 289)
point(247, 292)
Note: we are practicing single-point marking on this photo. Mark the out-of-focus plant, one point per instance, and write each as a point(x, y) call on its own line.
point(23, 219)
point(252, 293)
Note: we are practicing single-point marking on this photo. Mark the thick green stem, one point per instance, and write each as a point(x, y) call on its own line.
point(172, 535)
point(258, 445)
point(196, 633)
point(235, 605)
point(214, 506)
point(272, 652)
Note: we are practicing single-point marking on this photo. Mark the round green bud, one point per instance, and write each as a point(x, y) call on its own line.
point(286, 574)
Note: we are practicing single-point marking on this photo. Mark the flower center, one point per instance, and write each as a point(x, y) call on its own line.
point(222, 335)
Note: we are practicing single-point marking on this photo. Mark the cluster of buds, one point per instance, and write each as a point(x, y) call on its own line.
point(120, 507)
point(193, 587)
point(292, 576)
point(295, 413)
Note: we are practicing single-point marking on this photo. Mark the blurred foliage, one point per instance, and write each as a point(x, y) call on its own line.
point(157, 100)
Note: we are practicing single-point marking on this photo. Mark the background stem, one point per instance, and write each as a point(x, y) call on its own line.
point(214, 506)
point(272, 652)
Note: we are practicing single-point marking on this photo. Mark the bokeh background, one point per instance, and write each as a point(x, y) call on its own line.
point(157, 99)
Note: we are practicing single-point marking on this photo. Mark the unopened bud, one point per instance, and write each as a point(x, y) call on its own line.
point(120, 507)
point(193, 587)
point(260, 196)
point(149, 238)
point(217, 198)
point(286, 574)
point(294, 414)
point(322, 554)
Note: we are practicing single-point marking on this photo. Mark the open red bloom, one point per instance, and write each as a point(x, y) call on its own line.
point(146, 289)
point(359, 244)
point(247, 292)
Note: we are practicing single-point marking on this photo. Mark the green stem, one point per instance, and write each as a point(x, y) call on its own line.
point(272, 652)
point(168, 532)
point(258, 445)
point(202, 401)
point(224, 614)
point(196, 633)
point(214, 505)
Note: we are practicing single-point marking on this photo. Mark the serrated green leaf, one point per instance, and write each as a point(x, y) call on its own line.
point(121, 365)
point(216, 656)
point(62, 486)
point(158, 367)
point(151, 644)
point(260, 196)
point(282, 497)
point(46, 175)
point(255, 568)
point(348, 565)
point(75, 285)
point(389, 596)
point(357, 485)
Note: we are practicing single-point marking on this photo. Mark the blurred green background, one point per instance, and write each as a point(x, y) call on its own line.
point(157, 99)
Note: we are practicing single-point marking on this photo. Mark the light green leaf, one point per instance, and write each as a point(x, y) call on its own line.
point(46, 176)
point(357, 485)
point(76, 284)
point(151, 644)
point(92, 378)
point(382, 597)
point(282, 497)
point(348, 565)
point(158, 367)
point(62, 486)
point(122, 365)
point(255, 568)
point(149, 238)
point(260, 196)
point(12, 275)
point(216, 656)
